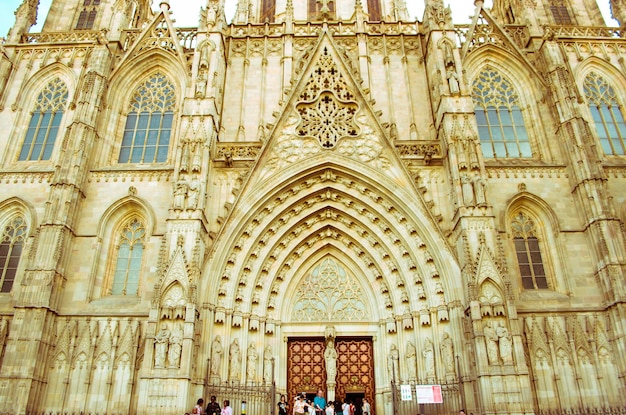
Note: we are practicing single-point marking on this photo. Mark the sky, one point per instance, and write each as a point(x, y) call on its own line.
point(186, 11)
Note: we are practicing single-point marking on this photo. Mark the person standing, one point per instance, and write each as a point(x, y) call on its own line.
point(198, 410)
point(283, 405)
point(367, 409)
point(299, 406)
point(213, 408)
point(319, 402)
point(227, 410)
point(330, 409)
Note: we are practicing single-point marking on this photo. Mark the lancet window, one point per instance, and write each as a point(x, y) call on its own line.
point(606, 114)
point(501, 126)
point(149, 123)
point(11, 245)
point(528, 252)
point(268, 11)
point(45, 120)
point(373, 9)
point(560, 12)
point(321, 9)
point(129, 255)
point(87, 15)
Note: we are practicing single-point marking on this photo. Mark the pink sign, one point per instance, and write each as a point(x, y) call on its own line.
point(429, 394)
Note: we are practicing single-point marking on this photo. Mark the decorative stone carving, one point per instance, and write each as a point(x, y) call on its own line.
point(252, 357)
point(393, 360)
point(161, 346)
point(216, 356)
point(411, 360)
point(234, 369)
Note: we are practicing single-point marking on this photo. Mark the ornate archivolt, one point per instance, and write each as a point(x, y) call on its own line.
point(329, 208)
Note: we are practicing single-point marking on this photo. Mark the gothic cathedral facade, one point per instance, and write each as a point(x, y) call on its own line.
point(322, 194)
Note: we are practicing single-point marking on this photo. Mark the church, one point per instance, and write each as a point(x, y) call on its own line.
point(319, 195)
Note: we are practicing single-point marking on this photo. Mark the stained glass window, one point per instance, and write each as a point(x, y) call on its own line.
point(45, 120)
point(606, 114)
point(501, 126)
point(149, 122)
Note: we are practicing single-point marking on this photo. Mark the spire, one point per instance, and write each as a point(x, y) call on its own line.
point(25, 18)
point(437, 16)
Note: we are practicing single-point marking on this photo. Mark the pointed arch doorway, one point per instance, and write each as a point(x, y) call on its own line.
point(307, 371)
point(330, 303)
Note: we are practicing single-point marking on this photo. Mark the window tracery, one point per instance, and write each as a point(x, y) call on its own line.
point(43, 127)
point(87, 15)
point(528, 253)
point(11, 246)
point(501, 126)
point(129, 255)
point(149, 123)
point(327, 107)
point(560, 12)
point(329, 293)
point(606, 114)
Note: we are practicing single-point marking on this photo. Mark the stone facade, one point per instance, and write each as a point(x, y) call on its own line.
point(176, 204)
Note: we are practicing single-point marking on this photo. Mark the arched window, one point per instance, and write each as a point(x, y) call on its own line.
point(560, 12)
point(11, 246)
point(87, 15)
point(149, 123)
point(321, 9)
point(605, 110)
point(268, 11)
point(43, 127)
point(129, 258)
point(501, 127)
point(528, 253)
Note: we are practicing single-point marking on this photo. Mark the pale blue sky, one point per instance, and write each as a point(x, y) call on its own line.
point(186, 11)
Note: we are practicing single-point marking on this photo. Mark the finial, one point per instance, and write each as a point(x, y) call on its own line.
point(164, 5)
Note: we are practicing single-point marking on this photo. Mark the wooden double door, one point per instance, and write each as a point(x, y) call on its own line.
point(306, 368)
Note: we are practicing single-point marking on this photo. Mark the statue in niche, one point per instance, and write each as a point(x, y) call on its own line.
point(468, 190)
point(201, 81)
point(462, 154)
point(505, 345)
point(453, 80)
point(268, 364)
point(161, 345)
point(184, 158)
point(392, 363)
point(447, 354)
point(330, 357)
point(175, 349)
point(193, 193)
point(216, 355)
point(251, 364)
point(491, 340)
point(196, 160)
point(235, 361)
point(479, 191)
point(429, 357)
point(411, 360)
point(180, 194)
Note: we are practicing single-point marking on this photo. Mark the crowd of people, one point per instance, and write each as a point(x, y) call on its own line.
point(212, 408)
point(301, 405)
point(319, 406)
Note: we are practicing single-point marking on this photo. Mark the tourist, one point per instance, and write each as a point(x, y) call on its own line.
point(319, 402)
point(227, 410)
point(213, 408)
point(367, 409)
point(197, 410)
point(283, 405)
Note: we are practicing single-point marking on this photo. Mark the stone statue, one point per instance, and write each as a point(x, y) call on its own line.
point(161, 344)
point(251, 364)
point(175, 349)
point(505, 345)
point(411, 360)
point(392, 363)
point(429, 357)
point(468, 190)
point(216, 355)
point(453, 80)
point(491, 340)
point(479, 191)
point(330, 357)
point(268, 364)
point(447, 354)
point(193, 194)
point(180, 194)
point(235, 361)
